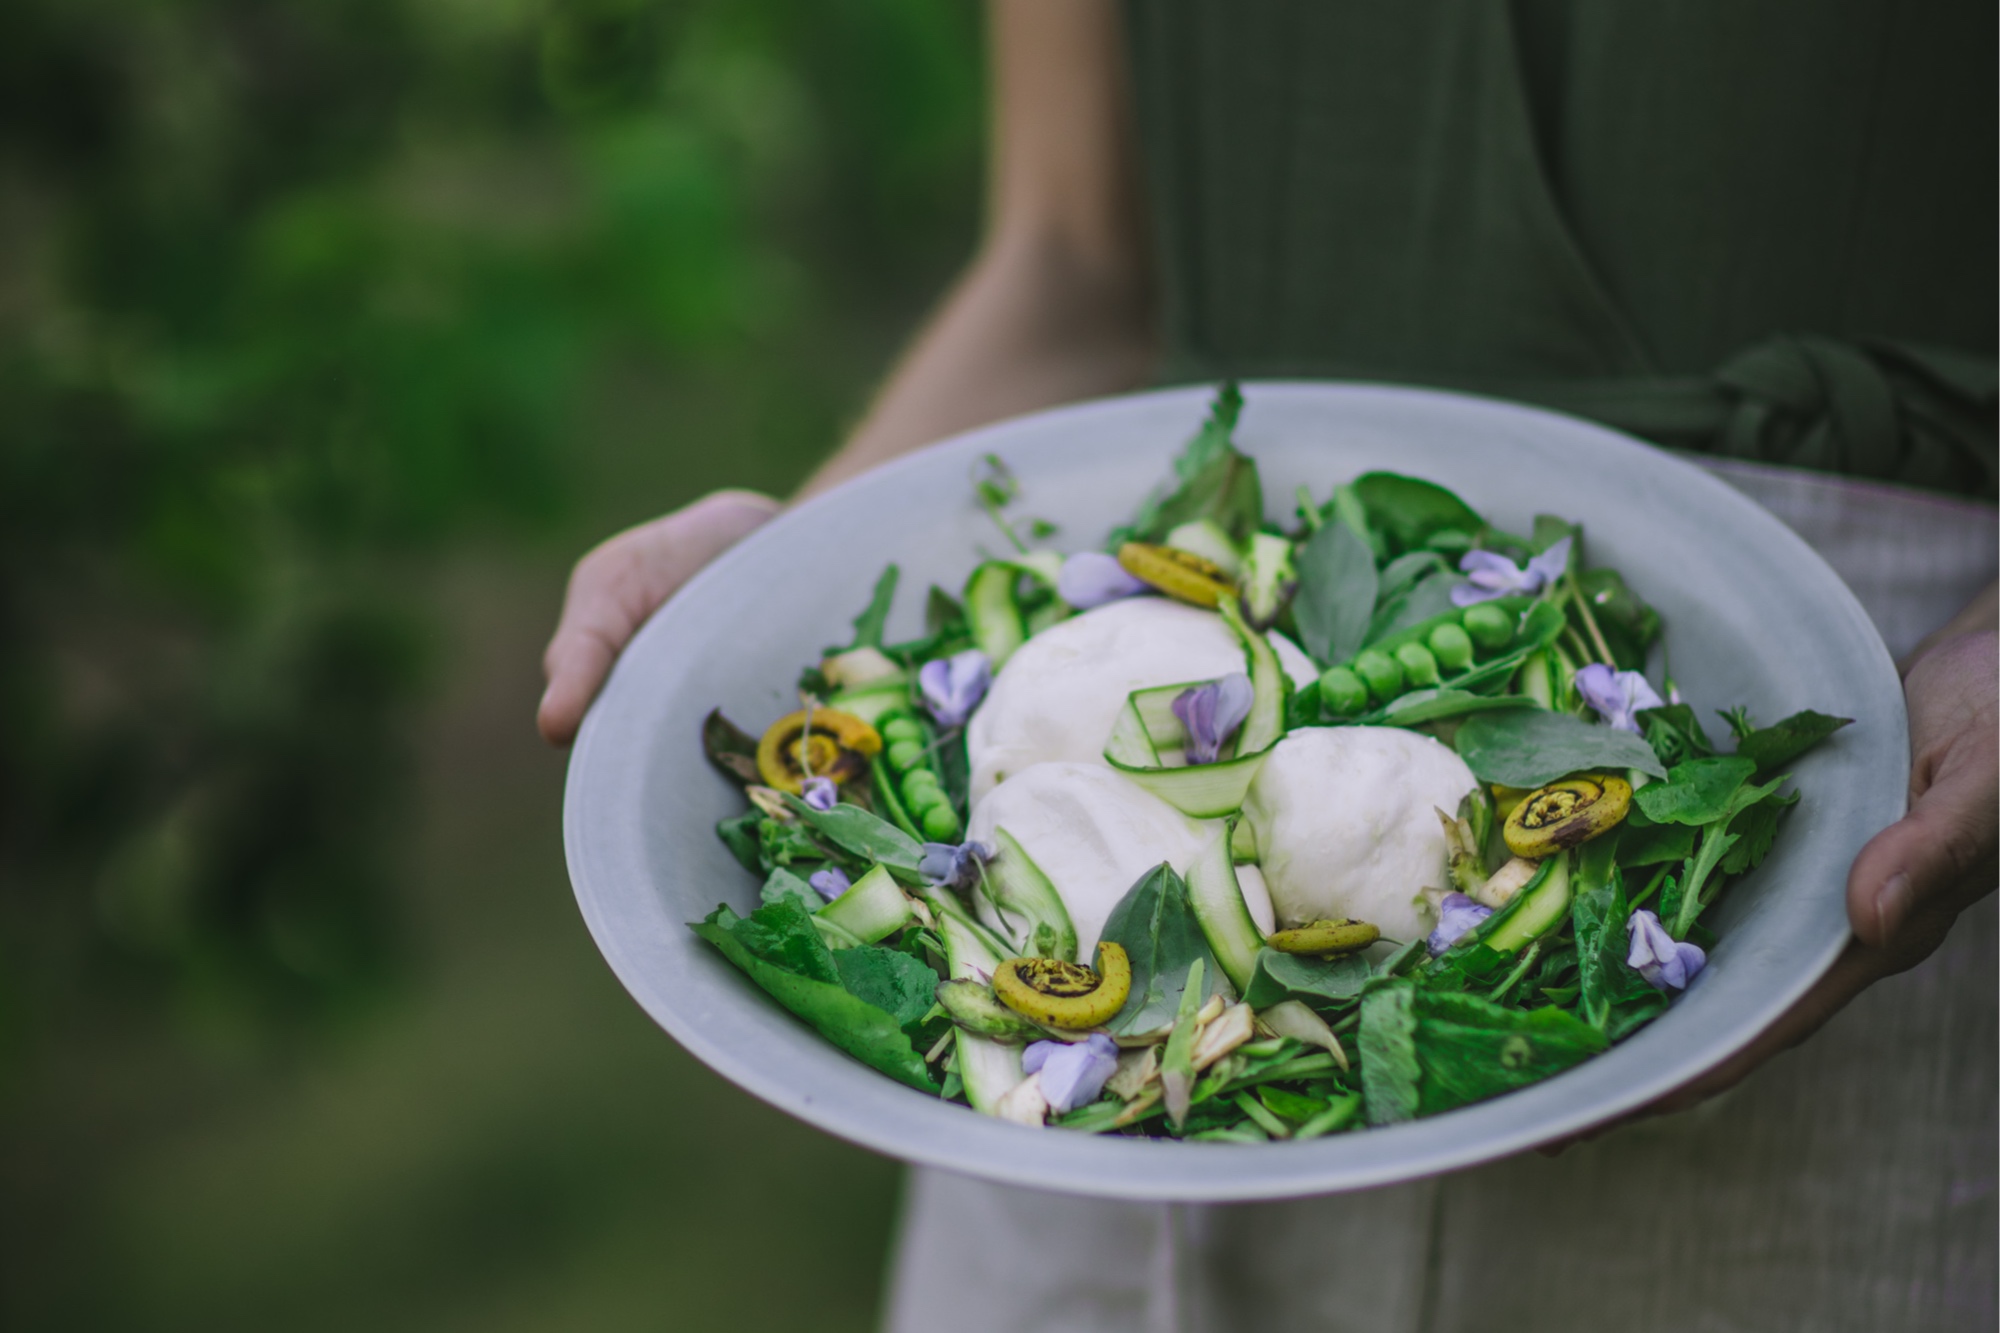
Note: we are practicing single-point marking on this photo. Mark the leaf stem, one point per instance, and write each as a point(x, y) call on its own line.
point(1590, 621)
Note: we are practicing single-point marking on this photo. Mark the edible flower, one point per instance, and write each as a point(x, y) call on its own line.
point(820, 793)
point(1490, 574)
point(953, 686)
point(949, 867)
point(1665, 962)
point(829, 883)
point(1457, 914)
point(1072, 1073)
point(1092, 578)
point(1618, 696)
point(1212, 713)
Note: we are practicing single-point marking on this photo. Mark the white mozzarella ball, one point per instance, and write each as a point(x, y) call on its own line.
point(1059, 694)
point(1346, 824)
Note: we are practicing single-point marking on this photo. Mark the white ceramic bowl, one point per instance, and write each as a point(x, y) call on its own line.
point(1753, 617)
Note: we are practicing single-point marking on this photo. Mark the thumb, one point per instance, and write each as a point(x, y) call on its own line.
point(1927, 859)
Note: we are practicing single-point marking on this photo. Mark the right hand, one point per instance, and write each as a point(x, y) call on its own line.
point(623, 581)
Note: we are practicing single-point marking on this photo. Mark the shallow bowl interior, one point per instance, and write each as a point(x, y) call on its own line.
point(1754, 617)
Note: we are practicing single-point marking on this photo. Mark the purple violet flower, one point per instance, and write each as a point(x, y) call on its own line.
point(1616, 695)
point(1073, 1073)
point(1092, 578)
point(953, 686)
point(820, 793)
point(1491, 574)
point(830, 883)
point(1457, 914)
point(1212, 713)
point(952, 867)
point(1665, 963)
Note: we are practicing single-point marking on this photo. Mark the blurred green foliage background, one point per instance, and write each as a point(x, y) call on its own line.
point(330, 333)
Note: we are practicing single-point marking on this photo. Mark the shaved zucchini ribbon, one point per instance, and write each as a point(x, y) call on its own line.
point(1147, 739)
point(989, 1069)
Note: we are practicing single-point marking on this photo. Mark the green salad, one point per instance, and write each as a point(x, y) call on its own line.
point(1233, 830)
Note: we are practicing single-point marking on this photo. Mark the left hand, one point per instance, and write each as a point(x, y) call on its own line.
point(1912, 880)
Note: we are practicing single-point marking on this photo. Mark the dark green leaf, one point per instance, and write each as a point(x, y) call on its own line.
point(1406, 510)
point(1529, 747)
point(1655, 844)
point(1757, 826)
point(783, 844)
point(854, 830)
point(869, 624)
point(1281, 976)
point(783, 935)
point(1156, 926)
point(781, 885)
point(942, 612)
point(730, 748)
point(1696, 792)
point(1336, 596)
point(889, 979)
point(1407, 571)
point(1429, 597)
point(1629, 1015)
point(1629, 625)
point(1421, 706)
point(1549, 529)
point(739, 835)
point(1469, 1050)
point(1389, 1069)
point(1675, 733)
point(1599, 916)
point(1777, 745)
point(869, 1034)
point(1214, 481)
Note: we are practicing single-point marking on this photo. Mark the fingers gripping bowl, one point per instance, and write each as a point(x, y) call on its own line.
point(1756, 620)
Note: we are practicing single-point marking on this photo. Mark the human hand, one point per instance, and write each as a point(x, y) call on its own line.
point(1911, 881)
point(620, 583)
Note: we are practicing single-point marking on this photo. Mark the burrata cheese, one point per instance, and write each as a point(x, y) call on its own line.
point(1059, 694)
point(1346, 824)
point(1092, 832)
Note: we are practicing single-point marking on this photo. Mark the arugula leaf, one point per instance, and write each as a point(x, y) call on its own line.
point(739, 835)
point(1780, 743)
point(1470, 1049)
point(891, 980)
point(1388, 1042)
point(1408, 511)
point(1529, 747)
point(1214, 481)
point(868, 1033)
point(1758, 826)
point(1714, 843)
point(783, 886)
point(1155, 924)
point(783, 935)
point(869, 624)
point(854, 830)
point(1695, 792)
point(1336, 596)
point(1282, 976)
point(1674, 733)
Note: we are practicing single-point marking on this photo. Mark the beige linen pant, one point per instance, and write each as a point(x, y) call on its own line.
point(1848, 1185)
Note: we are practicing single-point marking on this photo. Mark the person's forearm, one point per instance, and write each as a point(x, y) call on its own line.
point(1058, 305)
point(1028, 327)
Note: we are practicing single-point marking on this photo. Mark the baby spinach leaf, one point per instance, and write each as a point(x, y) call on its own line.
point(1407, 511)
point(889, 979)
point(1528, 747)
point(1155, 924)
point(781, 885)
point(1695, 792)
point(869, 624)
point(855, 831)
point(1655, 844)
point(1675, 733)
point(1388, 1043)
point(1281, 976)
point(1469, 1049)
point(1336, 596)
point(868, 1033)
point(1781, 742)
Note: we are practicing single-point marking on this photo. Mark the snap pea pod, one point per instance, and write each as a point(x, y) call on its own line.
point(907, 776)
point(1429, 653)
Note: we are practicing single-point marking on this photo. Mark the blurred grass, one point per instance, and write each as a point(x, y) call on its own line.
point(329, 334)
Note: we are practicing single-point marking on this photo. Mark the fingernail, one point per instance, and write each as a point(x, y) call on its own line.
point(1892, 904)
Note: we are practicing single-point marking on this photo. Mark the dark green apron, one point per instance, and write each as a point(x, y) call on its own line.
point(1746, 227)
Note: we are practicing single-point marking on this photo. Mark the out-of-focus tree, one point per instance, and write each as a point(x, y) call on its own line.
point(291, 297)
